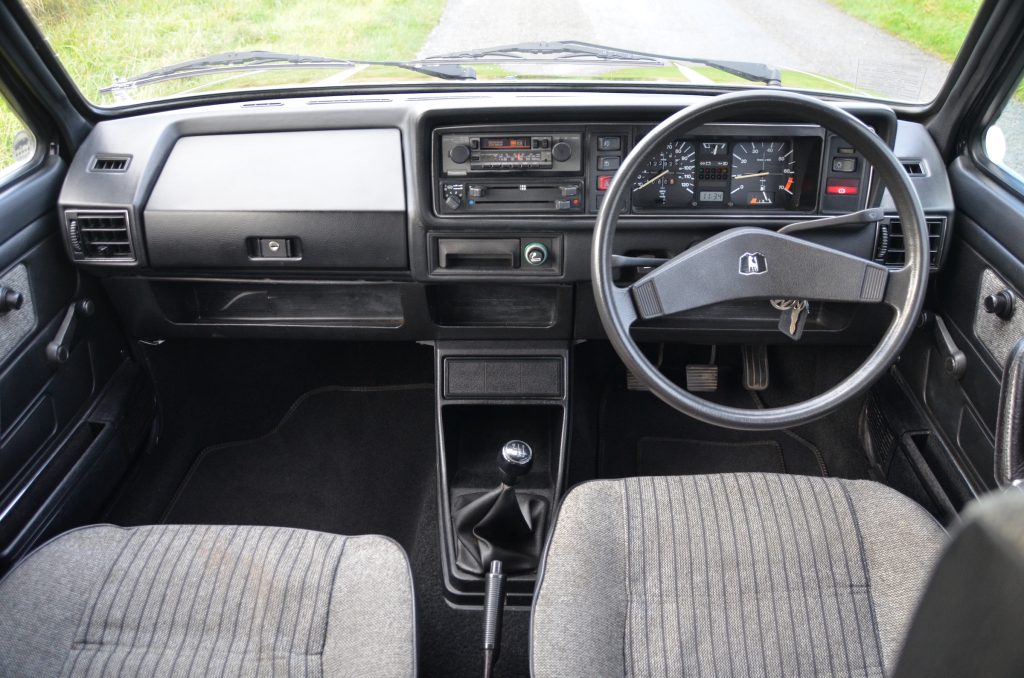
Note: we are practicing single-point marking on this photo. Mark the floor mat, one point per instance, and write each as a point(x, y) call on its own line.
point(632, 422)
point(354, 461)
point(329, 465)
point(672, 457)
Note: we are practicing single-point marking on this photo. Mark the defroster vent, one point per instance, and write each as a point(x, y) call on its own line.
point(100, 235)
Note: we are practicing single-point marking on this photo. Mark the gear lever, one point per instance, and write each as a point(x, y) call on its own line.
point(501, 524)
point(515, 461)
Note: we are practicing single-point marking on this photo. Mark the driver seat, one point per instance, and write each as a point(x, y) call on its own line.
point(730, 575)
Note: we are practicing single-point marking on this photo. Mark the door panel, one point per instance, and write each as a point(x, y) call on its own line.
point(52, 430)
point(986, 256)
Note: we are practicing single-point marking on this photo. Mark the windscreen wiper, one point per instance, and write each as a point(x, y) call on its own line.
point(234, 62)
point(565, 51)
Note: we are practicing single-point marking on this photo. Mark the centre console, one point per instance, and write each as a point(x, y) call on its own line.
point(495, 402)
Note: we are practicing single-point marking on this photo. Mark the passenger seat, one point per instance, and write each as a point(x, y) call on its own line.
point(175, 600)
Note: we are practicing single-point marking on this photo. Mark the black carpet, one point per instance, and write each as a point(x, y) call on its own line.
point(672, 456)
point(330, 465)
point(353, 461)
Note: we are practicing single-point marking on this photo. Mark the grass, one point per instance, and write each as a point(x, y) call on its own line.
point(100, 40)
point(936, 26)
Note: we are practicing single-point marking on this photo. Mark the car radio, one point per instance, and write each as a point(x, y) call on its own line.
point(548, 152)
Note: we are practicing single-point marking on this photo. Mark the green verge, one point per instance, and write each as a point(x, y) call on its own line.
point(99, 40)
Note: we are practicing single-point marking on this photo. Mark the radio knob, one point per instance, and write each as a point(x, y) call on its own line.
point(459, 154)
point(453, 202)
point(561, 151)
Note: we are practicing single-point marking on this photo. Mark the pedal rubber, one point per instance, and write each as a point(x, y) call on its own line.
point(755, 367)
point(634, 384)
point(701, 378)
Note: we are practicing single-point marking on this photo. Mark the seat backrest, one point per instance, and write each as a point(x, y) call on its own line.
point(970, 620)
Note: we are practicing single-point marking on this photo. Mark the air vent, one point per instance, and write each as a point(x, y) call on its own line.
point(915, 168)
point(889, 247)
point(110, 163)
point(100, 235)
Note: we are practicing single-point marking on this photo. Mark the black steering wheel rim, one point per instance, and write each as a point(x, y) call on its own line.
point(906, 287)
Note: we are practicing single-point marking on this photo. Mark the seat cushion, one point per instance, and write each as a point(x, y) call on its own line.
point(730, 575)
point(208, 600)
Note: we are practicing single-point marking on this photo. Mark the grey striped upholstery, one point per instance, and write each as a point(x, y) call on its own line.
point(730, 575)
point(208, 600)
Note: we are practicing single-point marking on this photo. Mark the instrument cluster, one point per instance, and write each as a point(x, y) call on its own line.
point(778, 173)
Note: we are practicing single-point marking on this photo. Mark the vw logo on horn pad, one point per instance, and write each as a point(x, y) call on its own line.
point(753, 263)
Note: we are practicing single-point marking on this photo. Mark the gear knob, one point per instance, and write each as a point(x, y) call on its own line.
point(515, 461)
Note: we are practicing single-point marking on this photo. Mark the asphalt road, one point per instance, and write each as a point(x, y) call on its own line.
point(806, 35)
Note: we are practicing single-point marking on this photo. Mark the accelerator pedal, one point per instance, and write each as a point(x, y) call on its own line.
point(755, 367)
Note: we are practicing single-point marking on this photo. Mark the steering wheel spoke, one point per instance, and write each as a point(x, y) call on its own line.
point(756, 263)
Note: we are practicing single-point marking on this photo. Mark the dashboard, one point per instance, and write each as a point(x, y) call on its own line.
point(719, 169)
point(467, 216)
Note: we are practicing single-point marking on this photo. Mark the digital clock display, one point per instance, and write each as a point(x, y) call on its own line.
point(504, 143)
point(712, 196)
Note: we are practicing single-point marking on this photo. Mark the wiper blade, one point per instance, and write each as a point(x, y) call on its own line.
point(234, 62)
point(563, 51)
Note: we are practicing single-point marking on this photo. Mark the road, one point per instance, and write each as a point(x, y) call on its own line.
point(806, 35)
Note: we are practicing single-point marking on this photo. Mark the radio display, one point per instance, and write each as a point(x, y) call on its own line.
point(504, 143)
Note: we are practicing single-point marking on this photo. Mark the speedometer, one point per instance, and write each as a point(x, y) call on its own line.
point(763, 173)
point(668, 178)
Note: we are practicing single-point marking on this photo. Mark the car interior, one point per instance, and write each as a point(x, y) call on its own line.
point(516, 377)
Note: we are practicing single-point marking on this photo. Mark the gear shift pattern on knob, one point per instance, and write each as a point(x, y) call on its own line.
point(500, 524)
point(515, 461)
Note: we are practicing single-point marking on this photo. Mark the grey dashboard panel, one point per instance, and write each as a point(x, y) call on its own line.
point(332, 198)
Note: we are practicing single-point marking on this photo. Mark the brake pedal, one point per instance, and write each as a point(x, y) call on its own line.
point(755, 367)
point(703, 378)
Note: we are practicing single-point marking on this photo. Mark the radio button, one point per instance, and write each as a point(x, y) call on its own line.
point(459, 154)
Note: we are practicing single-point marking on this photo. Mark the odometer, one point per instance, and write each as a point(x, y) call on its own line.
point(668, 178)
point(763, 173)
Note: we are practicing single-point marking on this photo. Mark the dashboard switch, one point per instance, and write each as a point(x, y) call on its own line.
point(844, 165)
point(569, 191)
point(603, 182)
point(843, 187)
point(563, 204)
point(609, 143)
point(477, 191)
point(608, 162)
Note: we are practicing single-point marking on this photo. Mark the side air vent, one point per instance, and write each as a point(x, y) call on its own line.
point(110, 163)
point(915, 168)
point(889, 247)
point(100, 235)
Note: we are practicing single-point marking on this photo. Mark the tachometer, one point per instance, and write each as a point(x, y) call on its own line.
point(668, 178)
point(763, 173)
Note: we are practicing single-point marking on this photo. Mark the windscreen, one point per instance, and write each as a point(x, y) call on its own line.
point(120, 52)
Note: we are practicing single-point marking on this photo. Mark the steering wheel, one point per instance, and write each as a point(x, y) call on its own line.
point(713, 270)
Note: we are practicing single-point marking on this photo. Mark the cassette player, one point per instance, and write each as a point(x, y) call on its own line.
point(546, 152)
